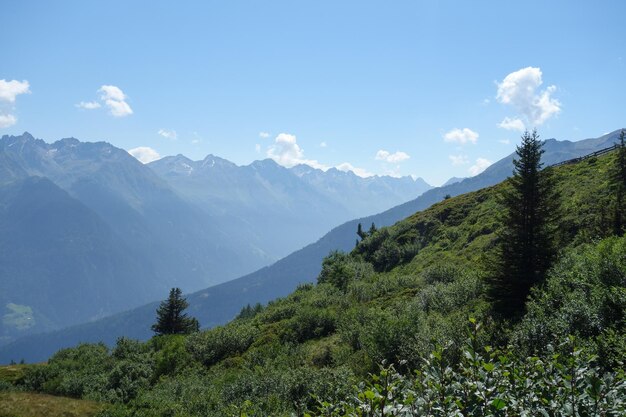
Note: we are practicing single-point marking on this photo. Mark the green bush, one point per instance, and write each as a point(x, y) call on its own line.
point(171, 355)
point(78, 372)
point(211, 346)
point(488, 382)
point(584, 295)
point(310, 323)
point(127, 378)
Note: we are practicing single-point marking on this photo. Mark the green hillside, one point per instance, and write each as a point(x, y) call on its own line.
point(400, 302)
point(22, 404)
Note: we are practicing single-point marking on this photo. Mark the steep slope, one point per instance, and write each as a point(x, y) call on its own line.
point(60, 263)
point(140, 207)
point(147, 237)
point(218, 304)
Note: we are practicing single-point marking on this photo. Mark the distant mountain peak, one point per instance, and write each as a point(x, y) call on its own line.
point(27, 136)
point(69, 142)
point(211, 160)
point(303, 169)
point(266, 163)
point(453, 180)
point(24, 137)
point(179, 158)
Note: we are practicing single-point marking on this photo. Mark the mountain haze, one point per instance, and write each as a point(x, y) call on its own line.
point(282, 209)
point(89, 231)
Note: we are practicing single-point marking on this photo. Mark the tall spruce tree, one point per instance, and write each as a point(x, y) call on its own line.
point(526, 242)
point(360, 233)
point(618, 182)
point(171, 318)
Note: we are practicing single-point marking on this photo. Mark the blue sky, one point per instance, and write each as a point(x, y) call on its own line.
point(428, 88)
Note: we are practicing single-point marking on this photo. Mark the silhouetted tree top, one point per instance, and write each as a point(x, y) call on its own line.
point(171, 318)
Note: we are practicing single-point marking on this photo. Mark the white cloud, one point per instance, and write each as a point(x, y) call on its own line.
point(111, 92)
point(323, 145)
point(458, 159)
point(7, 120)
point(520, 89)
point(393, 158)
point(264, 135)
point(88, 105)
point(346, 166)
point(118, 108)
point(286, 152)
point(115, 99)
point(480, 165)
point(11, 89)
point(168, 134)
point(461, 136)
point(144, 154)
point(512, 124)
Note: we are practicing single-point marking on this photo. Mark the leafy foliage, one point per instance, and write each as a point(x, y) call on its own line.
point(585, 296)
point(489, 382)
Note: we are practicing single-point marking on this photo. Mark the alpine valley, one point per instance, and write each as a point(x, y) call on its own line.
point(87, 231)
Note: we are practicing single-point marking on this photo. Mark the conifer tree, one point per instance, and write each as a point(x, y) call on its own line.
point(171, 318)
point(526, 243)
point(360, 232)
point(618, 181)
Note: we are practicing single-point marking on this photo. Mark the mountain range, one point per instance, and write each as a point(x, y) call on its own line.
point(281, 209)
point(218, 304)
point(87, 231)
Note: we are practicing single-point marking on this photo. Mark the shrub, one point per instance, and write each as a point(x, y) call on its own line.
point(171, 355)
point(488, 382)
point(584, 295)
point(211, 346)
point(310, 323)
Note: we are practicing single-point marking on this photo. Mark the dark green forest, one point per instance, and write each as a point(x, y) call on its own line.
point(406, 324)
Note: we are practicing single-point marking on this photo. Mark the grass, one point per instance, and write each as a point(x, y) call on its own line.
point(12, 373)
point(19, 317)
point(24, 404)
